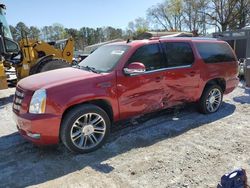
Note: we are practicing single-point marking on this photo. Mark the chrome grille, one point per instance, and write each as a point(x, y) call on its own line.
point(19, 95)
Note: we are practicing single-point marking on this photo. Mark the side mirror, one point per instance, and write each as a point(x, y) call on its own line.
point(135, 68)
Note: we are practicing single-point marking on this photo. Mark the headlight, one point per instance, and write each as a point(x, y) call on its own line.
point(38, 102)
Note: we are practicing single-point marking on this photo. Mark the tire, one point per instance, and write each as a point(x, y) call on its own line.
point(209, 104)
point(52, 64)
point(77, 132)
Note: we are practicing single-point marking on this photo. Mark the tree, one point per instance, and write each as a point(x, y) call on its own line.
point(111, 33)
point(76, 35)
point(221, 13)
point(45, 33)
point(22, 29)
point(58, 32)
point(15, 33)
point(34, 32)
point(169, 15)
point(131, 26)
point(194, 15)
point(136, 27)
point(243, 9)
point(141, 25)
point(83, 37)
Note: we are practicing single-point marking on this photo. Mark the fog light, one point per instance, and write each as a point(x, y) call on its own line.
point(35, 135)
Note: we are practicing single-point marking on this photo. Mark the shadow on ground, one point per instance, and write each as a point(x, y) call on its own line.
point(22, 164)
point(245, 99)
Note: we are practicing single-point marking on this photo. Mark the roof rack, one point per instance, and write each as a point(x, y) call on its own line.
point(205, 38)
point(177, 35)
point(191, 38)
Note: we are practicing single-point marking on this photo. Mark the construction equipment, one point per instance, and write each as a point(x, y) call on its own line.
point(3, 77)
point(8, 47)
point(39, 56)
point(30, 56)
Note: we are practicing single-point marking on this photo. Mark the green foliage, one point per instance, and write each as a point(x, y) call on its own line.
point(192, 15)
point(14, 33)
point(83, 37)
point(137, 27)
point(229, 14)
point(34, 32)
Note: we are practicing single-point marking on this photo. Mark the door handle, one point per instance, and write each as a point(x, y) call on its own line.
point(158, 78)
point(192, 73)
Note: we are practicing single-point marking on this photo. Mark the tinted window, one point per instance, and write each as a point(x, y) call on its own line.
point(178, 54)
point(215, 52)
point(149, 55)
point(105, 58)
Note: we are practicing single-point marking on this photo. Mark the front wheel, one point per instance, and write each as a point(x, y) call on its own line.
point(85, 128)
point(211, 99)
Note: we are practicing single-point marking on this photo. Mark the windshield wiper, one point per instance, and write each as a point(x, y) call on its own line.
point(88, 68)
point(91, 69)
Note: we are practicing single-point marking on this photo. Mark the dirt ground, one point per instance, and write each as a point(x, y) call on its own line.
point(192, 150)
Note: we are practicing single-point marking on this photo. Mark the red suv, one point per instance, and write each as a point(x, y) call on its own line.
point(118, 81)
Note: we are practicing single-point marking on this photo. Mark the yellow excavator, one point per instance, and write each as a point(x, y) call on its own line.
point(39, 56)
point(30, 56)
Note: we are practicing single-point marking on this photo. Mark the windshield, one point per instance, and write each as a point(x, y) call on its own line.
point(6, 28)
point(105, 58)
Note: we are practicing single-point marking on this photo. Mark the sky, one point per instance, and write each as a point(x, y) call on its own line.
point(76, 13)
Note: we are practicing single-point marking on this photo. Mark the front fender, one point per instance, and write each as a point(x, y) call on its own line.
point(80, 94)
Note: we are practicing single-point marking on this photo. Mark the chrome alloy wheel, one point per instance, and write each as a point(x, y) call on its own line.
point(213, 100)
point(88, 131)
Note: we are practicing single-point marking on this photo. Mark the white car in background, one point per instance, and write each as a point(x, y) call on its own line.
point(242, 62)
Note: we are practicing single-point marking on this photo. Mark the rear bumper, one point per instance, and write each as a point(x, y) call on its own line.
point(47, 126)
point(231, 85)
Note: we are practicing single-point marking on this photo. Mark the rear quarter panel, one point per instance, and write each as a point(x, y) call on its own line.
point(222, 70)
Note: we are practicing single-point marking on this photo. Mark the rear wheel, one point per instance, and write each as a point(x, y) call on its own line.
point(52, 64)
point(85, 128)
point(211, 99)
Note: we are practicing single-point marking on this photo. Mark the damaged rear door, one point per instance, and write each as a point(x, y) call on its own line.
point(181, 79)
point(142, 93)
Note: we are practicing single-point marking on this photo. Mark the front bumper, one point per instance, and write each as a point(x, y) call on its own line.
point(41, 129)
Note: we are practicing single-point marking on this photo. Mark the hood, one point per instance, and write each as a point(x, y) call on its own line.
point(54, 78)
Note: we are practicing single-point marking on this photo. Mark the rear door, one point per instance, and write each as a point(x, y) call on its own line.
point(181, 79)
point(143, 93)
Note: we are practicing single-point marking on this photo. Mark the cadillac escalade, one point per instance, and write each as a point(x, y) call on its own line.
point(77, 106)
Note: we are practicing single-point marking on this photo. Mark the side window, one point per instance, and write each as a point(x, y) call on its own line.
point(178, 54)
point(215, 52)
point(149, 55)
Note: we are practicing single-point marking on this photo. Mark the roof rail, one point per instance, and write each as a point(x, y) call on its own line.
point(192, 38)
point(177, 35)
point(205, 38)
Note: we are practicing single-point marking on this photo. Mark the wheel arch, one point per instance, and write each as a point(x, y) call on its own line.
point(102, 103)
point(218, 81)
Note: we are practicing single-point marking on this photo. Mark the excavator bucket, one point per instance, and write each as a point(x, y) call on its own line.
point(3, 77)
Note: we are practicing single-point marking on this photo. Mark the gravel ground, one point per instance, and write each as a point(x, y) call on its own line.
point(170, 149)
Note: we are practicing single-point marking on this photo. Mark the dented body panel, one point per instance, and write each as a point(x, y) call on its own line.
point(125, 95)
